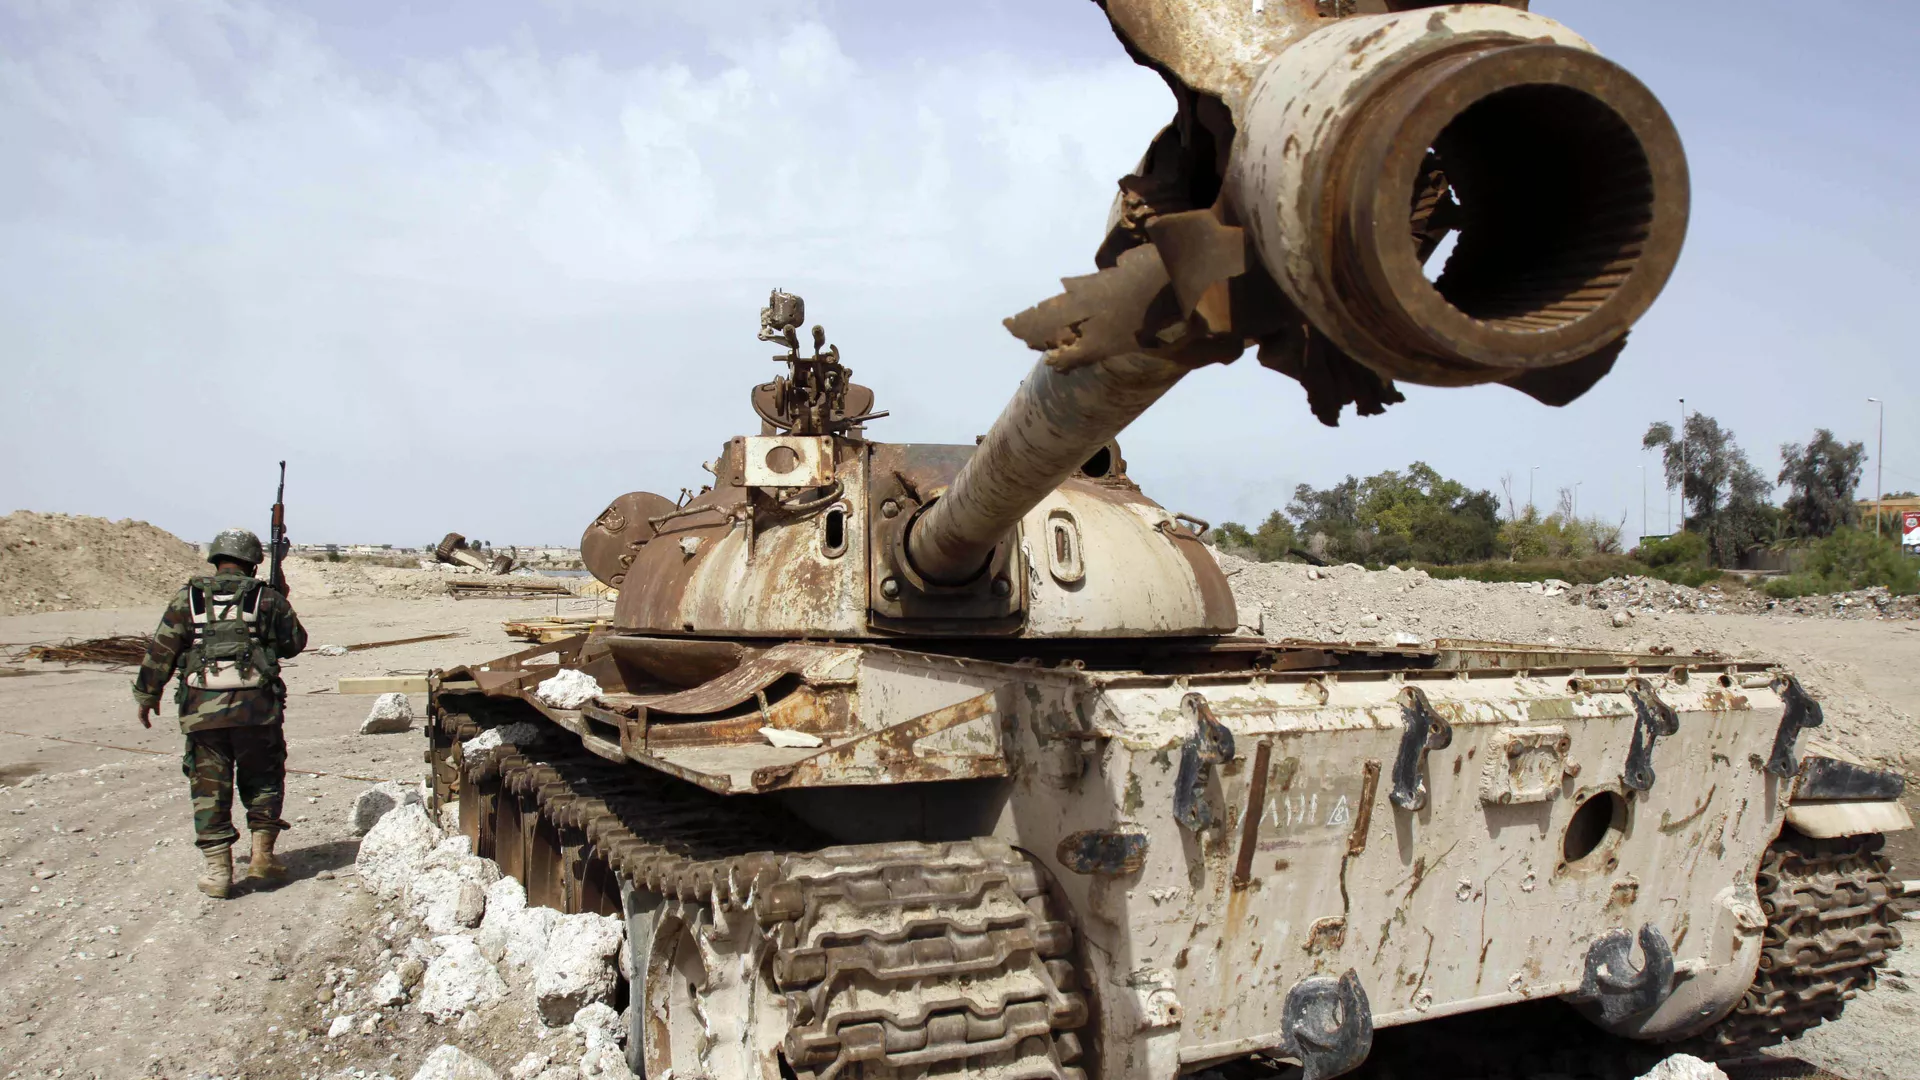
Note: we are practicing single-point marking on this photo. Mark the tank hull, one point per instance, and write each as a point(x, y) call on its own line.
point(1250, 823)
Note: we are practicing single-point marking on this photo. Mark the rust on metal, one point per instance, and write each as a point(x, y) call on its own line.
point(1363, 815)
point(1250, 819)
point(1106, 852)
point(893, 754)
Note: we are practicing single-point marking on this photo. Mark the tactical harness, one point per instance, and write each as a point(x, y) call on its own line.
point(229, 650)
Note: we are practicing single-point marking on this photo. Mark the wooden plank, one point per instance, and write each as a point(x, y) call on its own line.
point(384, 684)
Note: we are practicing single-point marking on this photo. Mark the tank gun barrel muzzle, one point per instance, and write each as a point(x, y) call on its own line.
point(1558, 175)
point(1304, 200)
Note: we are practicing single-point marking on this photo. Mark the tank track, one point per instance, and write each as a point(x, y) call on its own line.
point(897, 959)
point(1829, 929)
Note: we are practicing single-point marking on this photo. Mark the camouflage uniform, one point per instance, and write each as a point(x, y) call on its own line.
point(227, 731)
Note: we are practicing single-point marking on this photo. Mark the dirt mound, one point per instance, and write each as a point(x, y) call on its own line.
point(63, 562)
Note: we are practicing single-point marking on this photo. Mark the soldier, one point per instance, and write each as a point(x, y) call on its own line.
point(225, 636)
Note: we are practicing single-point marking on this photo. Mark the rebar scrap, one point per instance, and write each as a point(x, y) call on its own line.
point(125, 650)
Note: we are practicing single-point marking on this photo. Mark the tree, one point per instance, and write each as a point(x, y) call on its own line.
point(1269, 543)
point(1422, 516)
point(1329, 520)
point(1394, 516)
point(1725, 496)
point(1823, 475)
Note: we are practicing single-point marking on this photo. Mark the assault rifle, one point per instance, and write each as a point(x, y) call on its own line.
point(278, 544)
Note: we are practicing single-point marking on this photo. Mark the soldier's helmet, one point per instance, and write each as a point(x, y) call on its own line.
point(236, 544)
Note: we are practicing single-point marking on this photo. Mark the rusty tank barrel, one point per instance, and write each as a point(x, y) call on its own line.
point(1318, 161)
point(1055, 422)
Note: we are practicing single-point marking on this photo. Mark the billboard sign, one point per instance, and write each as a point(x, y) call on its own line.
point(1910, 528)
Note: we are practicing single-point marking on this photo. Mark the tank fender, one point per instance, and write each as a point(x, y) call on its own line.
point(1844, 798)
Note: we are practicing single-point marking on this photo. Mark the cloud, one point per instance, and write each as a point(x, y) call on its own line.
point(503, 284)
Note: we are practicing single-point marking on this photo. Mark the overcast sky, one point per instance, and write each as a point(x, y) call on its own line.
point(483, 265)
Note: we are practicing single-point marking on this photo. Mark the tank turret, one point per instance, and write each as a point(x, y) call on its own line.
point(805, 531)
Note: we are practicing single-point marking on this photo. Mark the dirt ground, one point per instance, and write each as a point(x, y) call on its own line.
point(112, 965)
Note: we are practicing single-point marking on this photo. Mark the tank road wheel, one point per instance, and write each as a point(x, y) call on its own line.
point(1829, 929)
point(707, 1007)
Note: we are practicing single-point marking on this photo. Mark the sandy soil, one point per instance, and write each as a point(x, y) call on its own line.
point(112, 965)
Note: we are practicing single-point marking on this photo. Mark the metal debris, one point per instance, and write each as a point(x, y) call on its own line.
point(516, 589)
point(126, 650)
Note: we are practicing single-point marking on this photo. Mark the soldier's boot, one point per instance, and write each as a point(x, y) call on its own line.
point(265, 869)
point(216, 877)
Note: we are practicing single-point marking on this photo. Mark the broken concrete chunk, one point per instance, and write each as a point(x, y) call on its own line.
point(783, 737)
point(567, 690)
point(599, 1022)
point(450, 1062)
point(526, 935)
point(390, 989)
point(529, 1066)
point(518, 733)
point(578, 966)
point(375, 803)
point(449, 893)
point(391, 714)
point(1685, 1067)
point(459, 979)
point(395, 849)
point(505, 898)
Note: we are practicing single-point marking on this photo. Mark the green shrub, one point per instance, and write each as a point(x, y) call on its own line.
point(1682, 548)
point(1691, 576)
point(1849, 559)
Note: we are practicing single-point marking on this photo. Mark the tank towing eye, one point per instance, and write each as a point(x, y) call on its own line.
point(1425, 731)
point(1801, 712)
point(1652, 719)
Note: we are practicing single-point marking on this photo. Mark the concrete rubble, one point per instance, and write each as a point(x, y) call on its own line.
point(377, 801)
point(518, 733)
point(395, 848)
point(459, 980)
point(488, 950)
point(448, 893)
point(391, 714)
point(1684, 1067)
point(577, 967)
point(450, 1062)
point(567, 690)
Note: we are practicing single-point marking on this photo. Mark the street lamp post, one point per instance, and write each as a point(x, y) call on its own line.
point(1576, 499)
point(1530, 473)
point(1643, 500)
point(1879, 451)
point(1683, 459)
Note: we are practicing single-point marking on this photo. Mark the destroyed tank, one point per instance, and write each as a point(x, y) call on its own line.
point(915, 760)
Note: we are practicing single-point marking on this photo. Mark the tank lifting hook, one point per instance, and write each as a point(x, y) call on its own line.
point(1653, 718)
point(1210, 745)
point(1425, 731)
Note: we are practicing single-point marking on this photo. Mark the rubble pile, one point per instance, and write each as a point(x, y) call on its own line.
point(1409, 607)
point(1406, 607)
point(468, 945)
point(65, 562)
point(1652, 594)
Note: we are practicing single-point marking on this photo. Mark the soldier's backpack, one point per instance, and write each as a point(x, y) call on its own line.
point(229, 650)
